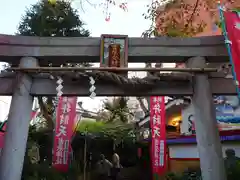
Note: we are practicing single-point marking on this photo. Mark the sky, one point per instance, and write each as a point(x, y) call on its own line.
point(129, 23)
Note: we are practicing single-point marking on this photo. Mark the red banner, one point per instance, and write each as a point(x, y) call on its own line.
point(158, 126)
point(66, 112)
point(232, 21)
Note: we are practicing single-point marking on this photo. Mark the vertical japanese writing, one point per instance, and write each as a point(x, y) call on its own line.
point(156, 131)
point(66, 112)
point(59, 153)
point(157, 118)
point(156, 150)
point(62, 131)
point(161, 153)
point(156, 108)
point(114, 55)
point(66, 152)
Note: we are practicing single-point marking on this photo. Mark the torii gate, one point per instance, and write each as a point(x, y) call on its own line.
point(32, 52)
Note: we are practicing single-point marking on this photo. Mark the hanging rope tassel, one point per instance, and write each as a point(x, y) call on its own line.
point(92, 88)
point(59, 86)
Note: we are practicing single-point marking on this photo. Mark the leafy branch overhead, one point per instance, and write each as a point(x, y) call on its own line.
point(117, 109)
point(174, 18)
point(48, 19)
point(182, 18)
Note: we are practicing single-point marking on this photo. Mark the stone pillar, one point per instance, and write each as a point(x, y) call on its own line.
point(208, 139)
point(12, 157)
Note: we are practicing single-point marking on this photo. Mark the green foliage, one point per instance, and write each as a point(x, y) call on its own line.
point(90, 126)
point(118, 109)
point(116, 131)
point(45, 19)
point(35, 168)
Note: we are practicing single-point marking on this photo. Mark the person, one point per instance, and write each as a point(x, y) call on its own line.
point(232, 164)
point(116, 166)
point(231, 159)
point(103, 168)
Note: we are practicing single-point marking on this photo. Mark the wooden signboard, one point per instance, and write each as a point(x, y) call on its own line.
point(114, 51)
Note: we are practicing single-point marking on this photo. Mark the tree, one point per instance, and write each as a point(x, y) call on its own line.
point(55, 20)
point(117, 109)
point(58, 20)
point(183, 18)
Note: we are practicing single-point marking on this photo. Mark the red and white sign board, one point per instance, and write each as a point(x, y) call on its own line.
point(158, 128)
point(66, 112)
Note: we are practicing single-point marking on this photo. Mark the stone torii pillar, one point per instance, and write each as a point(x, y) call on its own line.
point(208, 139)
point(12, 157)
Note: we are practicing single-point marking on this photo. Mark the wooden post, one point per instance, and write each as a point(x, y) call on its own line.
point(208, 139)
point(12, 158)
